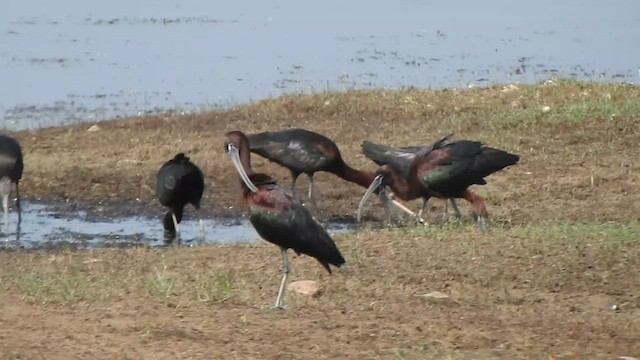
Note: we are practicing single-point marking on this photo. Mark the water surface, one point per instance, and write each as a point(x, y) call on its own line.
point(75, 60)
point(47, 227)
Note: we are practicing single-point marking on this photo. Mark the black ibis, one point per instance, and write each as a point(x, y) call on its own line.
point(11, 167)
point(179, 182)
point(278, 216)
point(400, 158)
point(303, 151)
point(445, 170)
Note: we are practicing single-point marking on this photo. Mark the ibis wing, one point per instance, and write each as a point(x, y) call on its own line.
point(292, 153)
point(283, 221)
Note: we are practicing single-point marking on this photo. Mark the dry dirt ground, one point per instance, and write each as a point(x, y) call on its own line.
point(556, 276)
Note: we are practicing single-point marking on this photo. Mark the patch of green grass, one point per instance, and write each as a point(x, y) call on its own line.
point(65, 287)
point(160, 283)
point(213, 286)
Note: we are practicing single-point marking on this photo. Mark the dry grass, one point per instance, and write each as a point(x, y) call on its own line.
point(525, 291)
point(576, 154)
point(539, 284)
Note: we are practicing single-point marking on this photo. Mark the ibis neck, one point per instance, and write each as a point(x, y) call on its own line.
point(245, 159)
point(402, 188)
point(362, 178)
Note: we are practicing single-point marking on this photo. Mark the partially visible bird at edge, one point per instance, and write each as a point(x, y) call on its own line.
point(278, 216)
point(11, 167)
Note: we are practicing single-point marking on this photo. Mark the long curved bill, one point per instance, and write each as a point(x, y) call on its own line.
point(235, 158)
point(375, 184)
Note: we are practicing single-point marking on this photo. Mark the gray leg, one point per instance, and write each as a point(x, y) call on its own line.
point(5, 207)
point(285, 262)
point(455, 208)
point(384, 199)
point(424, 206)
point(482, 222)
point(18, 204)
point(201, 230)
point(293, 182)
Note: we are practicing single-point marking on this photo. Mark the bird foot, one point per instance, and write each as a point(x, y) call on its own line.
point(279, 307)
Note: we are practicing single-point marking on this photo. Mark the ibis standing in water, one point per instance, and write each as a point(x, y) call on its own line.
point(307, 152)
point(11, 167)
point(401, 158)
point(445, 170)
point(277, 215)
point(179, 182)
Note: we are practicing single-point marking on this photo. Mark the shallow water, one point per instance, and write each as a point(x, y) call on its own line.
point(82, 61)
point(45, 228)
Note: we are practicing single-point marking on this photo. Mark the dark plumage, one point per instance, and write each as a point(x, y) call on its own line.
point(179, 182)
point(446, 171)
point(400, 159)
point(11, 167)
point(277, 216)
point(306, 152)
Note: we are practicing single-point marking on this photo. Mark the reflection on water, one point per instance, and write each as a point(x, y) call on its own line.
point(75, 60)
point(44, 228)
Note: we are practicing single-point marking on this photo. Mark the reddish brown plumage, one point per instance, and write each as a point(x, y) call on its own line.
point(277, 216)
point(447, 170)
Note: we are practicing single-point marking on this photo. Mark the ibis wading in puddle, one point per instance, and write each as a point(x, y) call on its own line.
point(179, 182)
point(11, 166)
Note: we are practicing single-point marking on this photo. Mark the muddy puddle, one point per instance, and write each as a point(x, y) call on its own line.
point(74, 61)
point(47, 227)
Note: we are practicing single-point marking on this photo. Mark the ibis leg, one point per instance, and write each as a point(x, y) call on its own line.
point(384, 199)
point(294, 176)
point(285, 262)
point(455, 208)
point(5, 207)
point(424, 206)
point(18, 207)
point(479, 207)
point(201, 230)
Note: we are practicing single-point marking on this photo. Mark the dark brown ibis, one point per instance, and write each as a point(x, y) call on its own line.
point(11, 167)
point(307, 152)
point(401, 158)
point(278, 216)
point(178, 182)
point(445, 170)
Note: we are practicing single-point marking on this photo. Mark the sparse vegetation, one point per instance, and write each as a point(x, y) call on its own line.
point(556, 276)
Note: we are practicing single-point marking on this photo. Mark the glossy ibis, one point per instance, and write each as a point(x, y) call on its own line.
point(278, 216)
point(179, 182)
point(445, 170)
point(400, 158)
point(307, 152)
point(11, 167)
